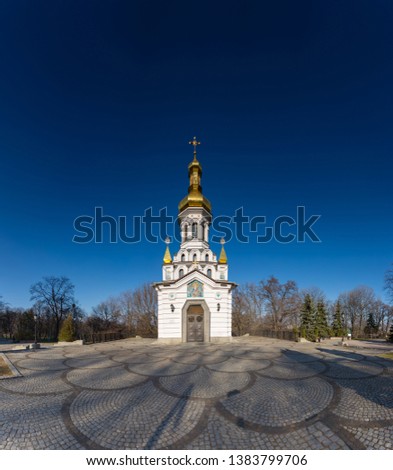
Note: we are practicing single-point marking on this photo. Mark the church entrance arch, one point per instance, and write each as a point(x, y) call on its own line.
point(195, 321)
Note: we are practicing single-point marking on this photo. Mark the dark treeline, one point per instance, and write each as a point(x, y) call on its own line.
point(276, 306)
point(271, 305)
point(267, 305)
point(55, 314)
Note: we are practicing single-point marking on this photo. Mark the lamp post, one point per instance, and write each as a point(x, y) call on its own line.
point(35, 331)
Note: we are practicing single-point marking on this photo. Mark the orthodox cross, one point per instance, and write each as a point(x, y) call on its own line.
point(194, 143)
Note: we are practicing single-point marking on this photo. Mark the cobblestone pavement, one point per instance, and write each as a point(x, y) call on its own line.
point(251, 393)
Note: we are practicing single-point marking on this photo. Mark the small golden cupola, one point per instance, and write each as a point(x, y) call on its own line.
point(223, 256)
point(195, 198)
point(167, 255)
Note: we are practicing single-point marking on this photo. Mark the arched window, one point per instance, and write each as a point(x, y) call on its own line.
point(209, 272)
point(183, 257)
point(206, 257)
point(194, 258)
point(194, 230)
point(186, 234)
point(181, 272)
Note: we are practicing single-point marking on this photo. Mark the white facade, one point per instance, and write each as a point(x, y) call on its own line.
point(195, 296)
point(174, 303)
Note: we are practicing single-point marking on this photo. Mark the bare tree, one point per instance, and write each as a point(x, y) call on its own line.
point(129, 315)
point(357, 304)
point(2, 316)
point(56, 295)
point(389, 283)
point(383, 315)
point(315, 293)
point(254, 297)
point(134, 311)
point(108, 312)
point(281, 302)
point(8, 320)
point(145, 310)
point(243, 316)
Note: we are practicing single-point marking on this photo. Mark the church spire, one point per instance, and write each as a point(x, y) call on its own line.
point(223, 256)
point(195, 198)
point(167, 255)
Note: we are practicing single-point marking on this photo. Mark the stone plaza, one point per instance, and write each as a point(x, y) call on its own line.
point(250, 393)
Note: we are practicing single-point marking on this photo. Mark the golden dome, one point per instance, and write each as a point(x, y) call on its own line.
point(195, 198)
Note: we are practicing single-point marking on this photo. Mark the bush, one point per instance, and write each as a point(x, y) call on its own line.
point(67, 330)
point(390, 337)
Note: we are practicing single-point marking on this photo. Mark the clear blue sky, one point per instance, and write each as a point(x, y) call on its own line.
point(292, 102)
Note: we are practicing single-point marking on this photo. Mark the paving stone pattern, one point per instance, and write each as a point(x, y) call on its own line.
point(254, 393)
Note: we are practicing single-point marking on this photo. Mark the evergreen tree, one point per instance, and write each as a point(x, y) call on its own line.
point(337, 325)
point(321, 328)
point(67, 330)
point(307, 317)
point(371, 327)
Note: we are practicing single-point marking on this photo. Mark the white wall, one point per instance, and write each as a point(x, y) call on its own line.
point(170, 323)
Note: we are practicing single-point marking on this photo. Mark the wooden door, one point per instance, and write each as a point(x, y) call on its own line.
point(195, 324)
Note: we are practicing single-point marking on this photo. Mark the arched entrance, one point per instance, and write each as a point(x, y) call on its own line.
point(195, 324)
point(195, 321)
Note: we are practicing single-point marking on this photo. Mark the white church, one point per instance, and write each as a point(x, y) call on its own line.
point(194, 296)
